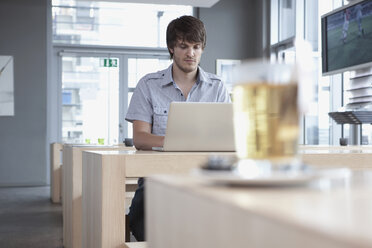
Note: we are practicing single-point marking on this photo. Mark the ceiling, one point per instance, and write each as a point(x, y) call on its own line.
point(194, 3)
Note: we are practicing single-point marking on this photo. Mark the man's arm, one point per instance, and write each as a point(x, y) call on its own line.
point(143, 139)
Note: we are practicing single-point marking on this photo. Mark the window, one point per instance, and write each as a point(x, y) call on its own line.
point(113, 23)
point(90, 99)
point(283, 20)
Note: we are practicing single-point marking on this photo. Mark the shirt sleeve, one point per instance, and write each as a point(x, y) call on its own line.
point(140, 107)
point(223, 94)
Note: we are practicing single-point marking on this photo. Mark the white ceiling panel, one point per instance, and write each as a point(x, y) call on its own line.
point(194, 3)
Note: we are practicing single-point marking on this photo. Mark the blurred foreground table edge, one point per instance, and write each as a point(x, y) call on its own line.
point(182, 211)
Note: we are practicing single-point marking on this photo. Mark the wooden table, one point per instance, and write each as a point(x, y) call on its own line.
point(72, 190)
point(331, 147)
point(183, 212)
point(104, 176)
point(354, 157)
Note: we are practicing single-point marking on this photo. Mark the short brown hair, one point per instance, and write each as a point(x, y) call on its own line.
point(185, 28)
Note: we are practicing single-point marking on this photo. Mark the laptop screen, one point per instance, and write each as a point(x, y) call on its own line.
point(199, 126)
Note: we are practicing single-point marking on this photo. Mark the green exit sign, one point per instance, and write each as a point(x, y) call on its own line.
point(109, 63)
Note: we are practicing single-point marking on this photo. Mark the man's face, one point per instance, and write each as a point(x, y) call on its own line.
point(186, 55)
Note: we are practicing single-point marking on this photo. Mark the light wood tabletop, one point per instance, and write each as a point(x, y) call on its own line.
point(185, 211)
point(354, 157)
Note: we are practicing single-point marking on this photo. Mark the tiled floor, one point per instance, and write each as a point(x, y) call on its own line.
point(29, 219)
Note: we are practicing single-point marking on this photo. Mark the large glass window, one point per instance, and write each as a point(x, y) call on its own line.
point(113, 23)
point(287, 10)
point(90, 99)
point(283, 20)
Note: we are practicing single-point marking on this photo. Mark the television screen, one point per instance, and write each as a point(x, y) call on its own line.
point(347, 38)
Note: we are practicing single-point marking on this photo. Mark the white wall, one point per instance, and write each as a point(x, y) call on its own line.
point(23, 152)
point(234, 31)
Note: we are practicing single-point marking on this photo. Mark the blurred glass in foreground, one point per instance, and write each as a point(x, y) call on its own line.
point(266, 112)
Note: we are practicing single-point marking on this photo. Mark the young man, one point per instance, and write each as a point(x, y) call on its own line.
point(345, 26)
point(184, 81)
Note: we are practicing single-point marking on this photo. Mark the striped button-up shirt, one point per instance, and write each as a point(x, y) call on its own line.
point(155, 91)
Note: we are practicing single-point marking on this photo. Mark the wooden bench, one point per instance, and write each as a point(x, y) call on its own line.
point(135, 245)
point(56, 172)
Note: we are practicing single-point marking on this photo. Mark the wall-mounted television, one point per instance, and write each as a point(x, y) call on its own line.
point(347, 38)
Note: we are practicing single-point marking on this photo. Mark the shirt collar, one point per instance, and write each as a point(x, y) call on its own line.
point(202, 76)
point(168, 78)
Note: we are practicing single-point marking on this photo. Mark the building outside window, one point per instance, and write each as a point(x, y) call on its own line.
point(113, 23)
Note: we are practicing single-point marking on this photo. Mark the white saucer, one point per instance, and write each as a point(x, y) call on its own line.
point(274, 179)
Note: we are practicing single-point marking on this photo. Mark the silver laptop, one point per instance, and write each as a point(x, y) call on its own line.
point(199, 126)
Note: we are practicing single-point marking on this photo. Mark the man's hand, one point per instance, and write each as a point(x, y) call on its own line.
point(142, 137)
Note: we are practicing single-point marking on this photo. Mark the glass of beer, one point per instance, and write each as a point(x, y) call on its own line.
point(266, 112)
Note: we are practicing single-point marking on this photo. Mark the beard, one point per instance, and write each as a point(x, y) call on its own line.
point(184, 66)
